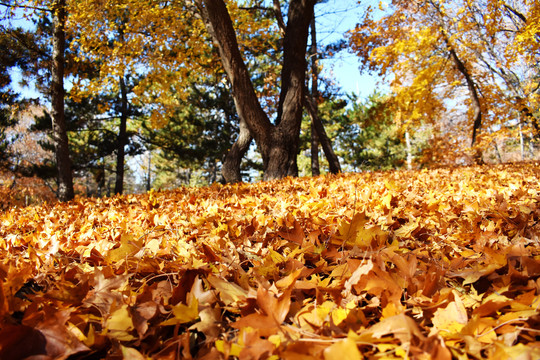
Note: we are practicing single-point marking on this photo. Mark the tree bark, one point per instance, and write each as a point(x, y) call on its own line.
point(59, 128)
point(291, 99)
point(318, 134)
point(315, 166)
point(409, 149)
point(231, 165)
point(122, 138)
point(278, 144)
point(477, 109)
point(333, 161)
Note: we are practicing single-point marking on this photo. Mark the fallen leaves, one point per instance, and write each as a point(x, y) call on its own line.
point(442, 264)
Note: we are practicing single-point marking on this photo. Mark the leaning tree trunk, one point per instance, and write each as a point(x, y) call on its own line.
point(278, 144)
point(333, 161)
point(476, 106)
point(59, 128)
point(318, 133)
point(315, 166)
point(477, 109)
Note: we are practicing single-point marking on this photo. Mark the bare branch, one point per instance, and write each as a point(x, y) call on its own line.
point(279, 17)
point(515, 12)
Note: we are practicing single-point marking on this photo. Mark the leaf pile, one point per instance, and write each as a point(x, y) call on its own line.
point(442, 264)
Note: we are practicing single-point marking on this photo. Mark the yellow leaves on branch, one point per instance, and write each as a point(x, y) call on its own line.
point(410, 45)
point(441, 264)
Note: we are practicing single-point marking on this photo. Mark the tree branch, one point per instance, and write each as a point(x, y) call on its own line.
point(24, 7)
point(515, 12)
point(279, 17)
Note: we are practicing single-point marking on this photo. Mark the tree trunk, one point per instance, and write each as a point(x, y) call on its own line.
point(59, 128)
point(315, 167)
point(477, 109)
point(231, 165)
point(317, 127)
point(149, 177)
point(521, 143)
point(333, 161)
point(293, 76)
point(122, 139)
point(278, 144)
point(220, 27)
point(409, 149)
point(476, 106)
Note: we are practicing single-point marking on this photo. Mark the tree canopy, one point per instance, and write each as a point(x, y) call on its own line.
point(233, 90)
point(468, 66)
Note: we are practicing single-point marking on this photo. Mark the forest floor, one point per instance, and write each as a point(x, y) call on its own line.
point(388, 265)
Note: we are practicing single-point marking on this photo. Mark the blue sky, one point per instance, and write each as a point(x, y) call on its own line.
point(334, 19)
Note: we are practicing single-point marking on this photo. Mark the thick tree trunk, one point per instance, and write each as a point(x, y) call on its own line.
point(293, 76)
point(278, 144)
point(122, 139)
point(59, 128)
point(220, 27)
point(231, 165)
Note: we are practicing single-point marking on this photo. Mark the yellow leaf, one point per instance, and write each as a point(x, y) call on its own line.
point(184, 313)
point(406, 230)
point(345, 349)
point(230, 293)
point(153, 246)
point(356, 233)
point(128, 247)
point(131, 353)
point(120, 323)
point(452, 318)
point(230, 349)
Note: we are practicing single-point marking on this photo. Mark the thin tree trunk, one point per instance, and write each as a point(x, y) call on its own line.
point(149, 177)
point(60, 139)
point(122, 139)
point(409, 149)
point(315, 166)
point(521, 143)
point(331, 157)
point(317, 127)
point(497, 151)
point(476, 106)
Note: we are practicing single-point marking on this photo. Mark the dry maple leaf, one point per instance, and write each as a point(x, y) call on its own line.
point(305, 268)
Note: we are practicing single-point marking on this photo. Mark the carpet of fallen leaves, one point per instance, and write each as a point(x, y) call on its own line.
point(420, 264)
